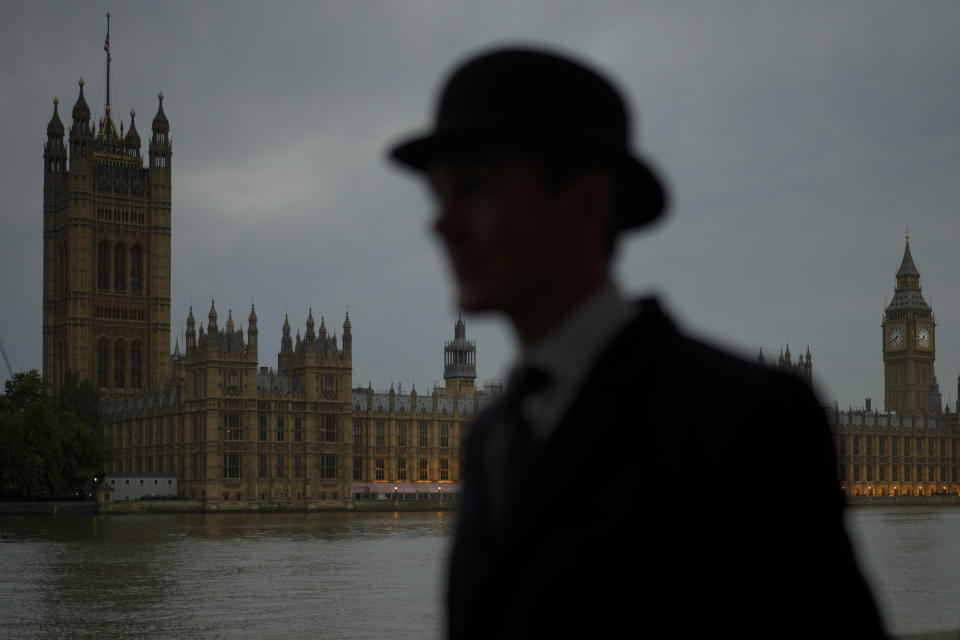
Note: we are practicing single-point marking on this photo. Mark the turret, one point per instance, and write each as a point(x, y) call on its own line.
point(160, 147)
point(212, 328)
point(460, 362)
point(347, 338)
point(81, 135)
point(191, 332)
point(131, 143)
point(252, 331)
point(54, 152)
point(310, 339)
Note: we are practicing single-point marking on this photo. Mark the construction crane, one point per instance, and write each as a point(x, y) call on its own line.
point(6, 360)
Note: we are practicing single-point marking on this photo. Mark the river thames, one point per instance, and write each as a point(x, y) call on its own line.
point(343, 575)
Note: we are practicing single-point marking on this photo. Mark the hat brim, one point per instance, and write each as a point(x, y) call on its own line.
point(642, 196)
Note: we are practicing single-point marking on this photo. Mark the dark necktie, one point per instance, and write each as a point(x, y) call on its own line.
point(519, 450)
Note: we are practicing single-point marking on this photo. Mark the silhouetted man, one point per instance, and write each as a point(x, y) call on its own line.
point(631, 480)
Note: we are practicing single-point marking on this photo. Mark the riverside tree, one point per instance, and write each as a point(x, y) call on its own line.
point(49, 445)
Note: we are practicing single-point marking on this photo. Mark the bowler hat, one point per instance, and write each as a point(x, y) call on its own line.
point(545, 101)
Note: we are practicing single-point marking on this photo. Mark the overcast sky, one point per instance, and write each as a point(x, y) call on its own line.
point(798, 140)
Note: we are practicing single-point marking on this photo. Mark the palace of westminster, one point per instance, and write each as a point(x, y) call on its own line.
point(231, 432)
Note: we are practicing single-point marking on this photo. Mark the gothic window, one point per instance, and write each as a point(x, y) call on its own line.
point(445, 434)
point(62, 275)
point(103, 353)
point(231, 426)
point(328, 466)
point(119, 267)
point(329, 390)
point(444, 469)
point(423, 439)
point(401, 468)
point(233, 380)
point(328, 428)
point(423, 470)
point(231, 465)
point(379, 469)
point(262, 466)
point(380, 434)
point(357, 468)
point(136, 269)
point(279, 431)
point(298, 466)
point(298, 430)
point(262, 428)
point(103, 265)
point(119, 362)
point(136, 364)
point(401, 434)
point(357, 433)
point(281, 466)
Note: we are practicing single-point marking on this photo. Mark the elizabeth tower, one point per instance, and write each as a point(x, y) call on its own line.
point(106, 251)
point(908, 343)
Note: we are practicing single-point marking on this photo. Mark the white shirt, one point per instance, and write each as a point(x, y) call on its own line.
point(570, 349)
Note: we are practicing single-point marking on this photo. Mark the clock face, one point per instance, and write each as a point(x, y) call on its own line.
point(923, 337)
point(895, 337)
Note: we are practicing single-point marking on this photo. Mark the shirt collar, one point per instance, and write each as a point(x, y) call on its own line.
point(569, 350)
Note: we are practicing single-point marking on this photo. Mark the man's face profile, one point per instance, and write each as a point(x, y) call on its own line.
point(507, 235)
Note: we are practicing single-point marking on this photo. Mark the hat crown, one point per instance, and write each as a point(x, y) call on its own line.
point(533, 91)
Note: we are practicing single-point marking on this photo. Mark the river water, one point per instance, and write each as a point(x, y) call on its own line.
point(342, 576)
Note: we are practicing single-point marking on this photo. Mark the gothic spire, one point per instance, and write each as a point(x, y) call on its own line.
point(55, 127)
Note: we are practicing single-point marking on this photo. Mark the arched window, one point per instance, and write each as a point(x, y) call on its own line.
point(103, 354)
point(136, 364)
point(119, 362)
point(136, 269)
point(103, 265)
point(119, 267)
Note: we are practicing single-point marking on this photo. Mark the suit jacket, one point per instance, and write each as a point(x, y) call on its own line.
point(685, 493)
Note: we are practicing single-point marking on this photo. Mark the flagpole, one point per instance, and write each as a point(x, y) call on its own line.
point(106, 47)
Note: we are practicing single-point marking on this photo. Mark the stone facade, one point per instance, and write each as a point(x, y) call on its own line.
point(106, 252)
point(230, 431)
point(912, 448)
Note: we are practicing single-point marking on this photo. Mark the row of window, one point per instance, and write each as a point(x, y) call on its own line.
point(380, 469)
point(899, 473)
point(898, 445)
point(123, 360)
point(404, 436)
point(326, 466)
point(327, 430)
point(120, 215)
point(124, 264)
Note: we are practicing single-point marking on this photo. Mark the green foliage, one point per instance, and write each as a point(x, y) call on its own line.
point(49, 445)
